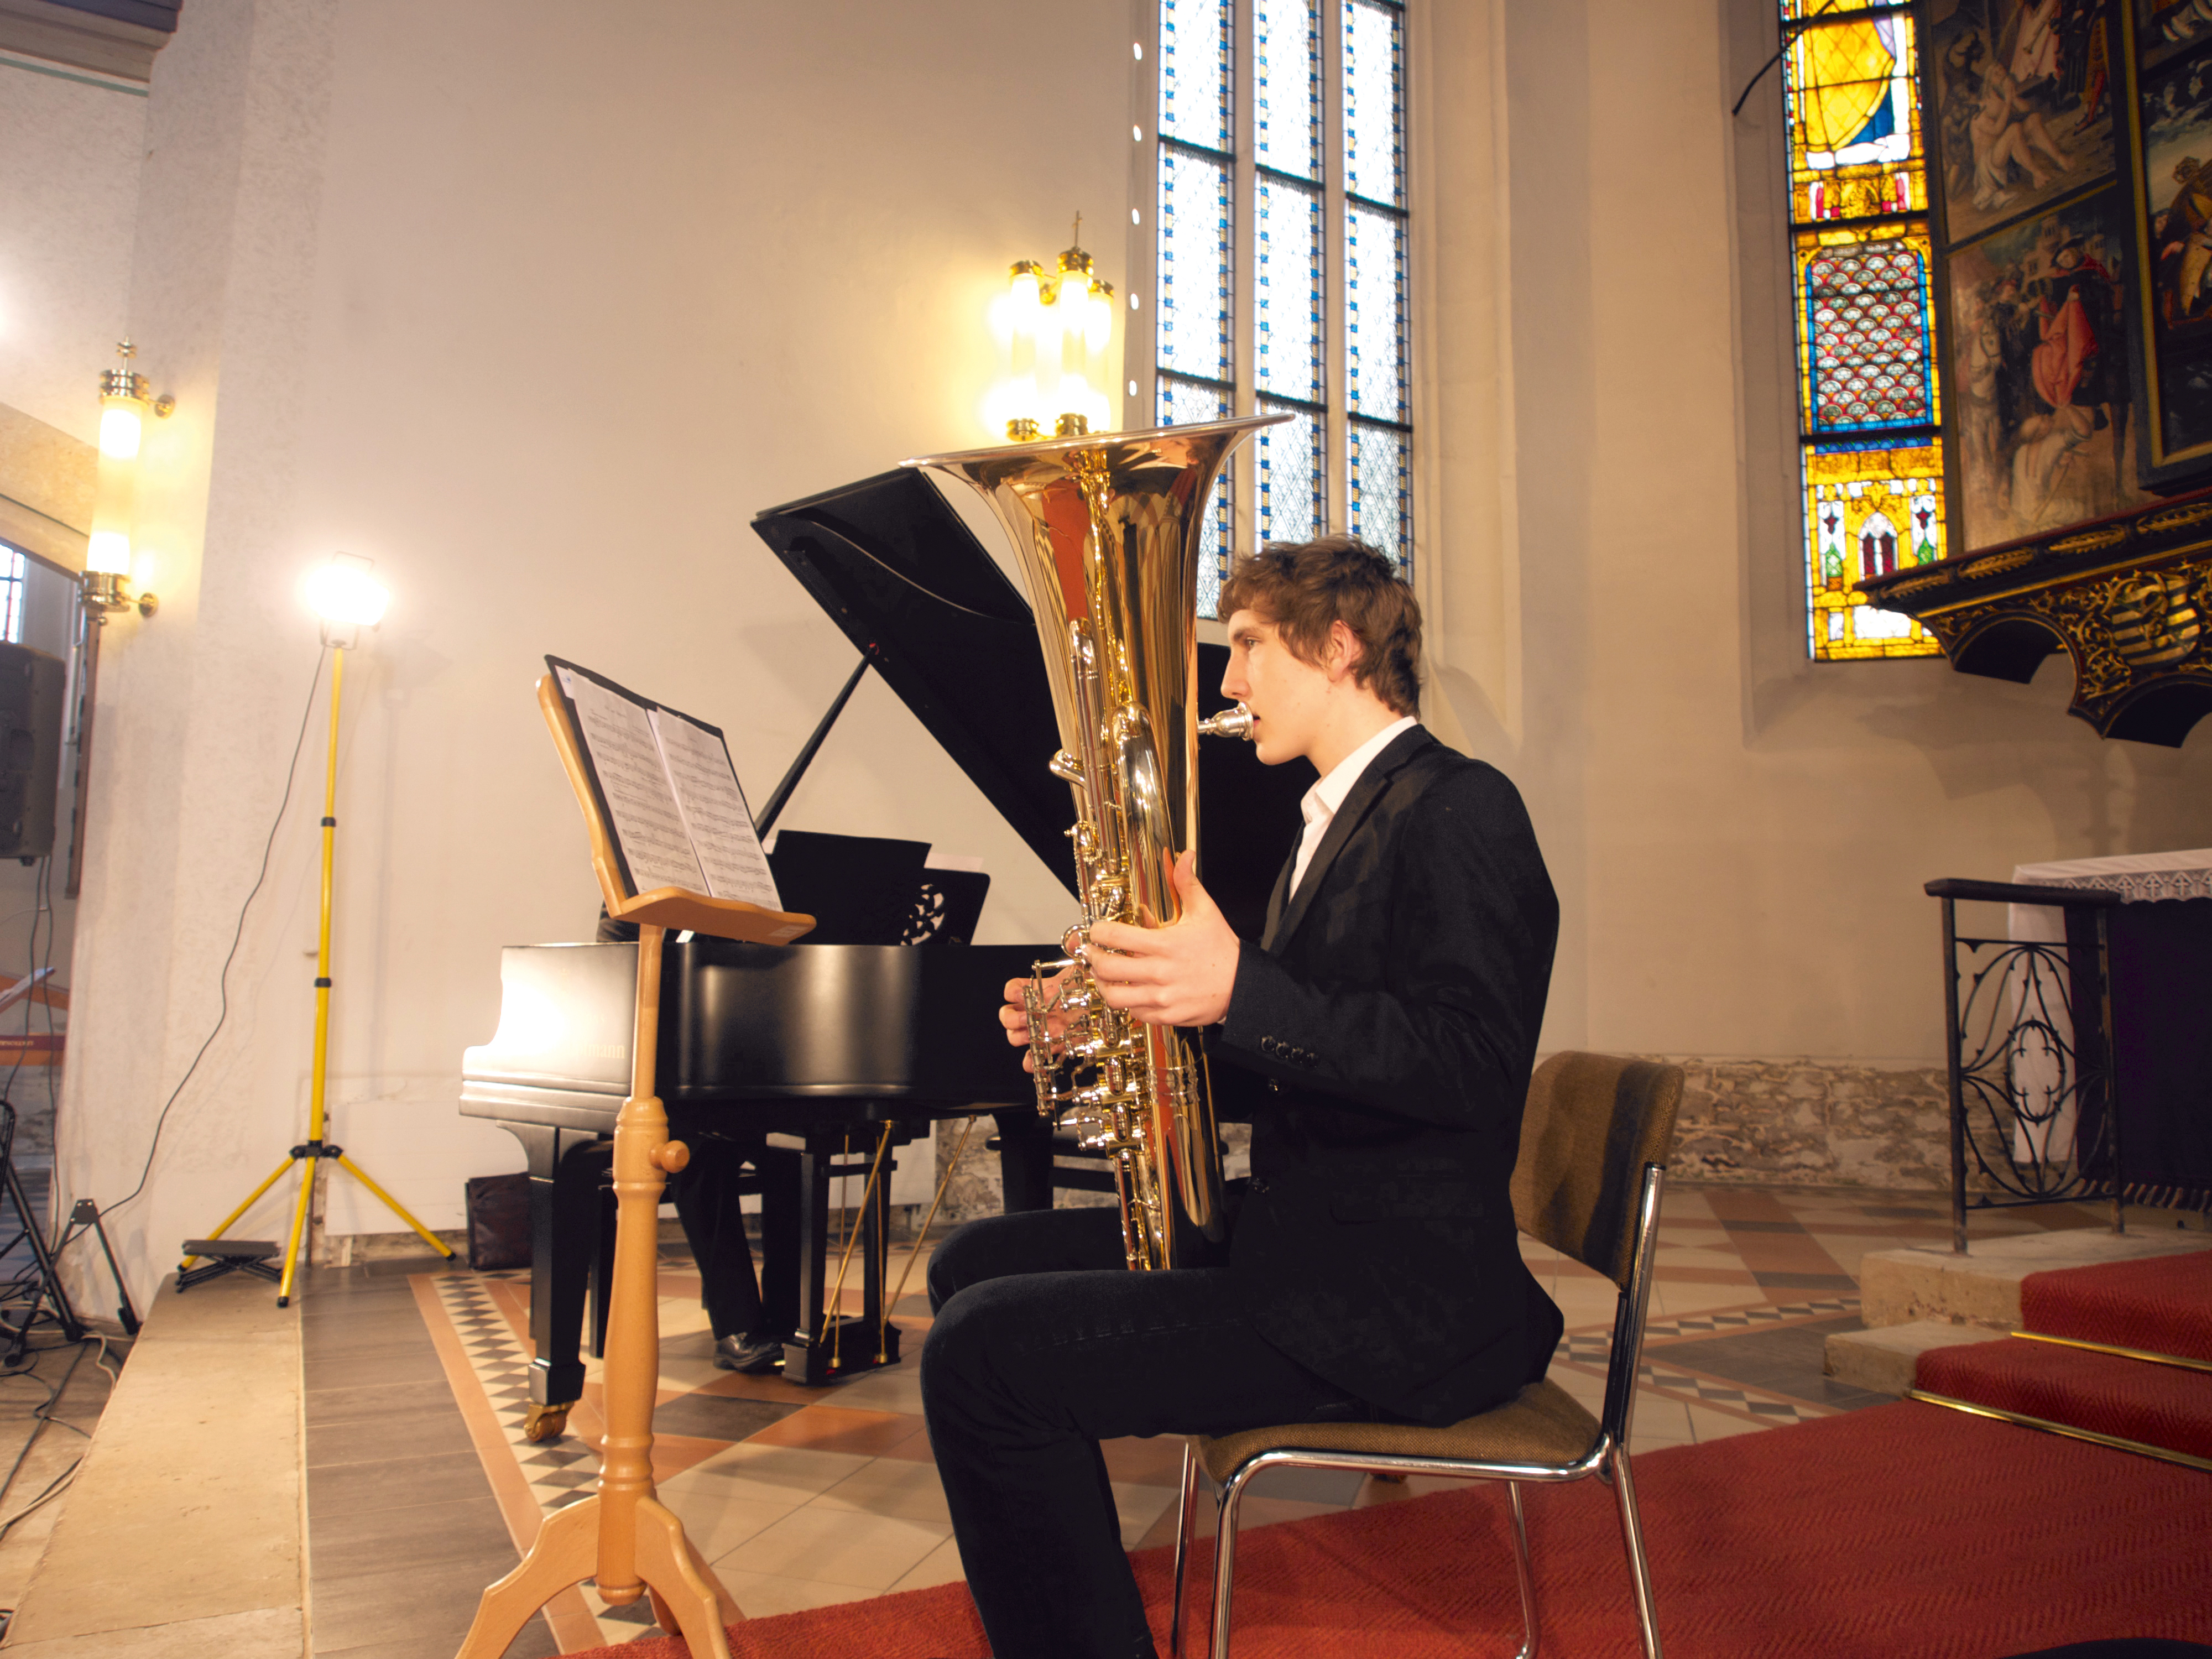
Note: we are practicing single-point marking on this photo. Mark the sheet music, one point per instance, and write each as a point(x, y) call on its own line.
point(715, 811)
point(635, 780)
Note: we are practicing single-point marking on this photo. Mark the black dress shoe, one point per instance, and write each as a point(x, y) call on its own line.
point(749, 1354)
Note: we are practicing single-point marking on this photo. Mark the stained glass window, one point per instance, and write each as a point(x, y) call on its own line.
point(1293, 474)
point(1869, 397)
point(1282, 263)
point(1378, 323)
point(14, 569)
point(1195, 255)
point(1290, 109)
point(1188, 403)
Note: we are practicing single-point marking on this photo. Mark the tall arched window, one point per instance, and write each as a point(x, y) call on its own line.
point(1868, 388)
point(1279, 249)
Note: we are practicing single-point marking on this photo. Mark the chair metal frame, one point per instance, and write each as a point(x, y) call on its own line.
point(1608, 1459)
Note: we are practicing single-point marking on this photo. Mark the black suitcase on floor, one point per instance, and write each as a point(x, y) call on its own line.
point(499, 1221)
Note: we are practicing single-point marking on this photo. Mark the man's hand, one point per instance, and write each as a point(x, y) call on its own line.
point(1013, 1014)
point(1177, 975)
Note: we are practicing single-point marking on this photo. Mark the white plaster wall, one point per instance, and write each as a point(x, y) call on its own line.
point(536, 306)
point(70, 146)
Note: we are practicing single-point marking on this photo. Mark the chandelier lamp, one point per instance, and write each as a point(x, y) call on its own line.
point(1055, 326)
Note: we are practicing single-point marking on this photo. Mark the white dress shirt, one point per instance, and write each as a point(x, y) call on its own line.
point(1322, 801)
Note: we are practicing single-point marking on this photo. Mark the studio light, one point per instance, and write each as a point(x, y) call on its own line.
point(347, 596)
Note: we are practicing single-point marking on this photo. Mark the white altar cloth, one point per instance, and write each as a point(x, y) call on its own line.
point(2137, 877)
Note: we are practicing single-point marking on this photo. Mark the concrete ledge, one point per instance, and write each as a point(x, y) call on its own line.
point(182, 1533)
point(270, 1633)
point(1882, 1361)
point(1897, 1287)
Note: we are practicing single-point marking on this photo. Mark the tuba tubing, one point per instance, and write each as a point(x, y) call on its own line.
point(1108, 532)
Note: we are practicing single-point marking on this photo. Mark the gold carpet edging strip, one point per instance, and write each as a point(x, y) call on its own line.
point(2067, 1430)
point(2144, 1354)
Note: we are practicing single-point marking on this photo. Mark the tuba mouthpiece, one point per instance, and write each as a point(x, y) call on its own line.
point(1228, 723)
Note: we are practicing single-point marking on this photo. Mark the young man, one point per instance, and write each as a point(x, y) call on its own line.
point(1379, 1039)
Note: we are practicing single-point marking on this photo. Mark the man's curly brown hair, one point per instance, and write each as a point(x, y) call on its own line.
point(1304, 588)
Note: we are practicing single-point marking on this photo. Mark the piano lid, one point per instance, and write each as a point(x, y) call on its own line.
point(896, 568)
point(902, 574)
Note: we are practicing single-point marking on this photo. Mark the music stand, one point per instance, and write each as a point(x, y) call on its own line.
point(623, 1536)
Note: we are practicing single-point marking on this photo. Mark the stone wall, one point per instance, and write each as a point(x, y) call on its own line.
point(1792, 1122)
point(1812, 1123)
point(975, 1190)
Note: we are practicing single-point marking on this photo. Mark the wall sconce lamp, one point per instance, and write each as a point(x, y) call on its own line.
point(124, 405)
point(1056, 328)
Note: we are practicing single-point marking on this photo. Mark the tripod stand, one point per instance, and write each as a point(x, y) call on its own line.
point(315, 1149)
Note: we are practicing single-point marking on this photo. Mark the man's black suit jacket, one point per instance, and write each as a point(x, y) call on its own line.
point(1380, 1040)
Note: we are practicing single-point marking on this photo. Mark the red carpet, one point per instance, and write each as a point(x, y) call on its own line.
point(2162, 1305)
point(1903, 1530)
point(2159, 1404)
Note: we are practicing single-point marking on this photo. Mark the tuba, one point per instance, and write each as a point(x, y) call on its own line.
point(1107, 529)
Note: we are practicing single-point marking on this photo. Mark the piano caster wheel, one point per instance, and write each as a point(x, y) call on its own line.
point(545, 1423)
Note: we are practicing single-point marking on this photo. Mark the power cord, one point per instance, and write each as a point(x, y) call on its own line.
point(222, 1014)
point(42, 1415)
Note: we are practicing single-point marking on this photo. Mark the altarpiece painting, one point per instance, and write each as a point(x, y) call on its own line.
point(2070, 218)
point(2025, 92)
point(2039, 374)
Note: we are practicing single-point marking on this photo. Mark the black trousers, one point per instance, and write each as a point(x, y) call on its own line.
point(707, 1203)
point(1044, 1345)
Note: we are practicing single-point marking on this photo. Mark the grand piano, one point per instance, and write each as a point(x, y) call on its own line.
point(840, 1052)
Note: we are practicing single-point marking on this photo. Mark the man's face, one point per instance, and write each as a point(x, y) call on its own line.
point(1285, 695)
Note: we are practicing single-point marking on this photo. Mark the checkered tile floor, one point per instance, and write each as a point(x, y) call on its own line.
point(558, 1472)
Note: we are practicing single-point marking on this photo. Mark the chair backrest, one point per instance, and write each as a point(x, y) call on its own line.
point(1592, 1122)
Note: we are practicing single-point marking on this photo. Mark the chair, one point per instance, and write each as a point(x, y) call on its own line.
point(1594, 1146)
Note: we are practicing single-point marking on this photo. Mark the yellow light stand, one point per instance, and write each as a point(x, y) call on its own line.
point(315, 1149)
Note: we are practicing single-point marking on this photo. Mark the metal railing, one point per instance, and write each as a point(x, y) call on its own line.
point(2028, 1046)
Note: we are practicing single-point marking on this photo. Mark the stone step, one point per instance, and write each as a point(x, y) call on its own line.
point(1901, 1287)
point(1882, 1361)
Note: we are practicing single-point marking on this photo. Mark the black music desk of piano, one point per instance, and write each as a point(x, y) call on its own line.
point(823, 1044)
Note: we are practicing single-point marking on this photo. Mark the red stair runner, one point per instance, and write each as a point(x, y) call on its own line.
point(2161, 1406)
point(2161, 1304)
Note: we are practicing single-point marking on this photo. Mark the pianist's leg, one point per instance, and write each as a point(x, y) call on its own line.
point(708, 1203)
point(1044, 1345)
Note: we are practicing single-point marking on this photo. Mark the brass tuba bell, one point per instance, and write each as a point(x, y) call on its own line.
point(1108, 530)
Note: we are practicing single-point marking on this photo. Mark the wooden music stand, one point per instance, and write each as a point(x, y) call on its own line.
point(623, 1535)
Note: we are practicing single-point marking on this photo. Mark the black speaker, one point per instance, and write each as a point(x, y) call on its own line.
point(32, 688)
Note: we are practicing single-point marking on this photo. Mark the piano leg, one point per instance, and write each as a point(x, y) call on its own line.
point(1024, 1159)
point(780, 1228)
point(566, 1169)
point(828, 1343)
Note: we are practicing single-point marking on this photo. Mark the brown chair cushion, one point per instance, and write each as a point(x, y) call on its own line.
point(1542, 1423)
